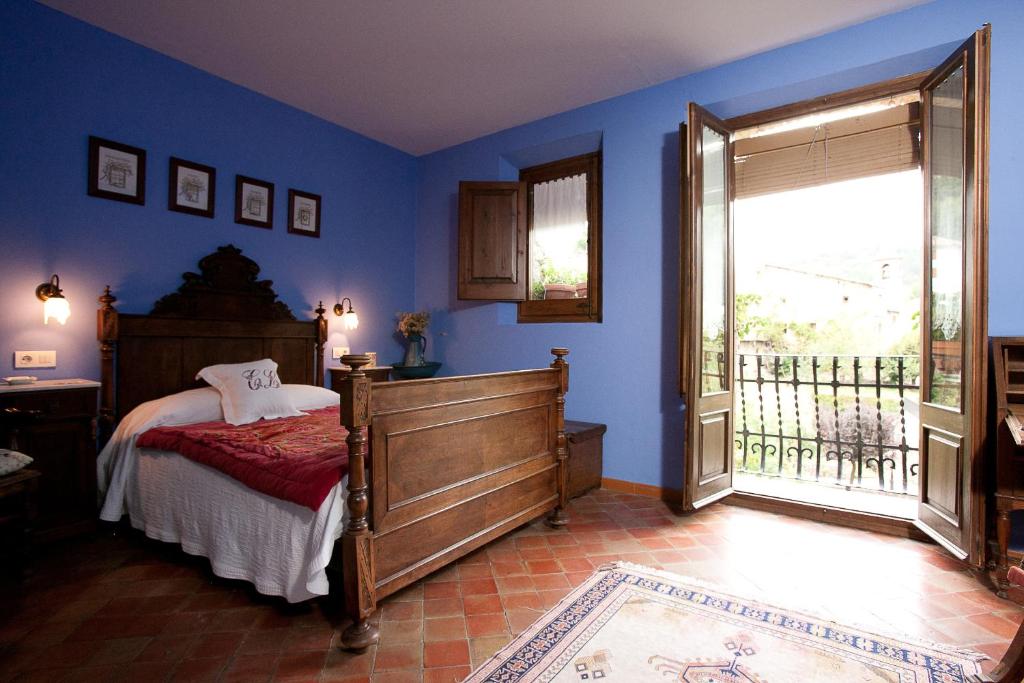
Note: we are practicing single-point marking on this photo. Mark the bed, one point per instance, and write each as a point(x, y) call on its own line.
point(436, 467)
point(283, 548)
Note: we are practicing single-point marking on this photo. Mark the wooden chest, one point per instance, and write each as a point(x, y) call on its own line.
point(585, 444)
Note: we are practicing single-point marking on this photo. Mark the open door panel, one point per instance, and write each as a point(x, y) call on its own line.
point(707, 310)
point(954, 130)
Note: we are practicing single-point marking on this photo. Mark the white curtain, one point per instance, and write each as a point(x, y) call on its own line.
point(559, 226)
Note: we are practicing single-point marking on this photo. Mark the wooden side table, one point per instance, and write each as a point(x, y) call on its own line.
point(378, 373)
point(54, 422)
point(18, 506)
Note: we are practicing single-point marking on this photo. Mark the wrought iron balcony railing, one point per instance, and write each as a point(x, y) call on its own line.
point(845, 420)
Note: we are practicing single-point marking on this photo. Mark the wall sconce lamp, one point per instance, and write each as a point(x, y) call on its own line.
point(348, 318)
point(54, 304)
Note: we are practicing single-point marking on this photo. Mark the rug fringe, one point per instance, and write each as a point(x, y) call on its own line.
point(951, 650)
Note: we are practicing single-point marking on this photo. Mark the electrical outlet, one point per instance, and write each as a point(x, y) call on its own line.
point(35, 359)
point(338, 351)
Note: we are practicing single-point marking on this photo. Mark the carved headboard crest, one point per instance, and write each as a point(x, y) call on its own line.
point(222, 314)
point(226, 288)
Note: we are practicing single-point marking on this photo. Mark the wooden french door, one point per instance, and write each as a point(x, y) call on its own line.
point(954, 106)
point(707, 315)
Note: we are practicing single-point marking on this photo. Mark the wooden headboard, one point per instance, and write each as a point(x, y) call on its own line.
point(222, 314)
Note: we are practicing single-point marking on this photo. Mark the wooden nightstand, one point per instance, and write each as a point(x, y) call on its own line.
point(54, 422)
point(378, 373)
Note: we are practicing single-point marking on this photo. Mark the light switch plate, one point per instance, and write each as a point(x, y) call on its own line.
point(35, 359)
point(338, 351)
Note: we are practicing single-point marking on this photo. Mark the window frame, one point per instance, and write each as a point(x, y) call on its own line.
point(843, 98)
point(567, 310)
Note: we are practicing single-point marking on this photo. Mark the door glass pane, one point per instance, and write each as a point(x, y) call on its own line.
point(946, 173)
point(714, 257)
point(558, 239)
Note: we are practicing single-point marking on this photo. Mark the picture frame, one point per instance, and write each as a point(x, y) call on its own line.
point(116, 171)
point(192, 188)
point(373, 359)
point(304, 213)
point(254, 202)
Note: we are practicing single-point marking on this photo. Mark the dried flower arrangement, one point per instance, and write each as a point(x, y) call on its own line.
point(413, 323)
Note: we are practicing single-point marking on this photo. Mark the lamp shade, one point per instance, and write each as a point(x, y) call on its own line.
point(350, 320)
point(54, 304)
point(57, 308)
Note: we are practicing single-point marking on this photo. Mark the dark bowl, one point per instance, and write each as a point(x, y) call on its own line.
point(399, 371)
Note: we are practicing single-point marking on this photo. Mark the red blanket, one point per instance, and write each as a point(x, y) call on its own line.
point(293, 458)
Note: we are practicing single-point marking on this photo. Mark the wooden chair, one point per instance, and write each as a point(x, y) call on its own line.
point(1011, 667)
point(18, 493)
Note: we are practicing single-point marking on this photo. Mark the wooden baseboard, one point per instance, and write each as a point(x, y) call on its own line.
point(866, 521)
point(623, 486)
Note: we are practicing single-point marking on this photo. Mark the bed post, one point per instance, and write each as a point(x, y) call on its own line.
point(357, 541)
point(321, 339)
point(106, 333)
point(558, 516)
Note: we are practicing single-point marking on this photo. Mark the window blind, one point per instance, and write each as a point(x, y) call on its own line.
point(870, 144)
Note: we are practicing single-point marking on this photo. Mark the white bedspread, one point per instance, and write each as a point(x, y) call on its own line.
point(281, 547)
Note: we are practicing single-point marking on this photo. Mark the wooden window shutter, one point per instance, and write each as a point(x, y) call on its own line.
point(881, 142)
point(492, 241)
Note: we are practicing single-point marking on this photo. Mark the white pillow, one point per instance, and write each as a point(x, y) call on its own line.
point(12, 461)
point(308, 397)
point(185, 407)
point(249, 391)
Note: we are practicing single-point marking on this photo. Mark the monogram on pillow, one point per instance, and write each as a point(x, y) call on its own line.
point(250, 391)
point(267, 379)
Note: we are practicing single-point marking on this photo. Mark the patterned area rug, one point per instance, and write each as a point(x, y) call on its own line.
point(629, 623)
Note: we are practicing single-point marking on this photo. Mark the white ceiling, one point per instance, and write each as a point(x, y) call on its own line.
point(423, 75)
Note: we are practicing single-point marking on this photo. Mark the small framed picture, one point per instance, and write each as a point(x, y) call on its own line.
point(254, 202)
point(373, 359)
point(303, 213)
point(117, 171)
point(192, 188)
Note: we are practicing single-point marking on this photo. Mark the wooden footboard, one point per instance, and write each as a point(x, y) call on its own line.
point(455, 462)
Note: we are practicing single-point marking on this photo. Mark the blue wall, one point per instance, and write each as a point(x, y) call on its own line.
point(62, 80)
point(624, 370)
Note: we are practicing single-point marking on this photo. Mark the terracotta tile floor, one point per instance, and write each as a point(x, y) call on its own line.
point(126, 608)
